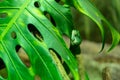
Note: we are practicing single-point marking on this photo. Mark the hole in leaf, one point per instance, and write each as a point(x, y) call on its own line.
point(60, 2)
point(13, 35)
point(59, 62)
point(3, 15)
point(66, 68)
point(57, 0)
point(52, 51)
point(55, 55)
point(37, 77)
point(37, 4)
point(35, 32)
point(3, 70)
point(23, 55)
point(47, 14)
point(50, 18)
point(2, 65)
point(52, 21)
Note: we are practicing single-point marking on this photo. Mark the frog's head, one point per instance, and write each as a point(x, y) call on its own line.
point(75, 38)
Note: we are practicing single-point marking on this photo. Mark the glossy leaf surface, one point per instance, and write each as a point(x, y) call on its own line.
point(64, 19)
point(18, 20)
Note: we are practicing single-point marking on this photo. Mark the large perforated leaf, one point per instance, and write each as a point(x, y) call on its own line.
point(21, 21)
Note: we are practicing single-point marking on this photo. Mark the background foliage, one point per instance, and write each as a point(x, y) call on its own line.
point(110, 9)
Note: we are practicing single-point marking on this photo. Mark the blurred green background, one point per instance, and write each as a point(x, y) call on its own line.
point(101, 66)
point(88, 29)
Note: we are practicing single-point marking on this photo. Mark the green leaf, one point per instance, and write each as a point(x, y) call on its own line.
point(86, 76)
point(87, 8)
point(61, 15)
point(17, 20)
